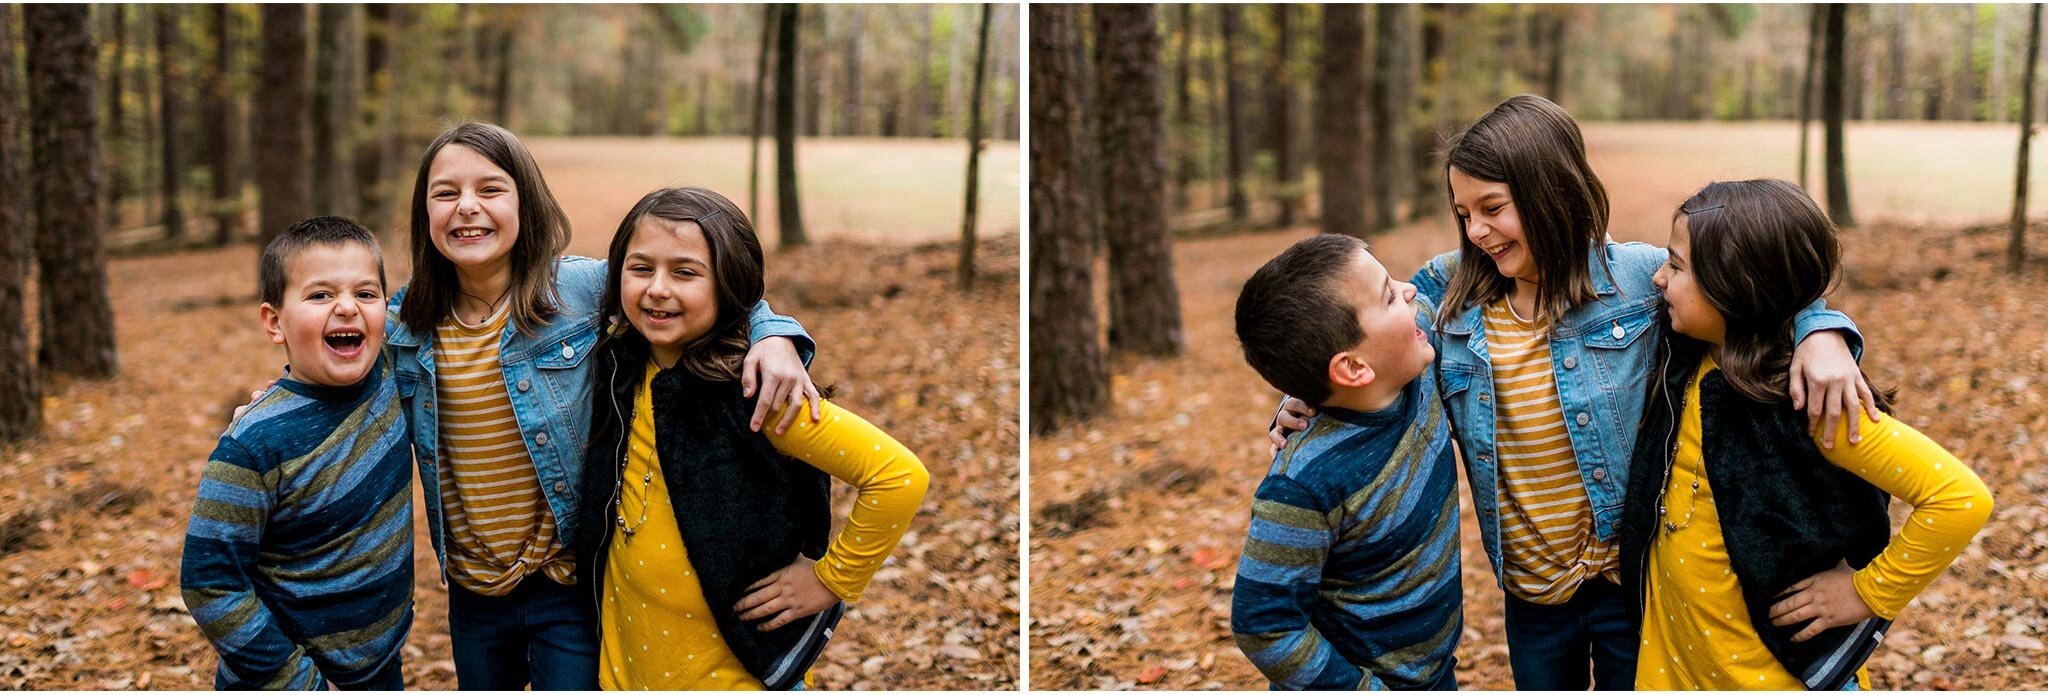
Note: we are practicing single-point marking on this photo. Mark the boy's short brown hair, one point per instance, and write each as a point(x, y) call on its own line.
point(318, 231)
point(1293, 315)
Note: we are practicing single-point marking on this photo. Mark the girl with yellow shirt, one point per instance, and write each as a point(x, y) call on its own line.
point(1756, 558)
point(706, 546)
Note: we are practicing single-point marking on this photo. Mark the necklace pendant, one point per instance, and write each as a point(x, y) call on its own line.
point(1670, 527)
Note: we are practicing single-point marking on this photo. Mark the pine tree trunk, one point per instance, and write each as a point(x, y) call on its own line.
point(1897, 109)
point(1815, 19)
point(1233, 107)
point(77, 320)
point(1144, 302)
point(769, 21)
point(1385, 118)
point(2016, 247)
point(1340, 104)
point(849, 116)
point(919, 124)
point(1966, 68)
point(377, 142)
point(1184, 161)
point(286, 192)
point(965, 273)
point(789, 218)
point(220, 123)
point(21, 397)
point(1831, 97)
point(336, 93)
point(167, 103)
point(1280, 114)
point(501, 84)
point(116, 143)
point(1422, 143)
point(1553, 76)
point(1069, 380)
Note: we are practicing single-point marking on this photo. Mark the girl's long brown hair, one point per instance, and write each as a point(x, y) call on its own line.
point(1532, 145)
point(737, 271)
point(1762, 250)
point(543, 233)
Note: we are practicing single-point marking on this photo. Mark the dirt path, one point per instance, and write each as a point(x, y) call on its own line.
point(1138, 518)
point(92, 518)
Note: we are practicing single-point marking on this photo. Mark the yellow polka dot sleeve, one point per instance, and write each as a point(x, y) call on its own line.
point(890, 484)
point(1950, 505)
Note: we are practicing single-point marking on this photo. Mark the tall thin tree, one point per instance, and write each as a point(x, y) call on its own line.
point(1385, 117)
point(1814, 19)
point(1069, 379)
point(286, 193)
point(77, 320)
point(335, 93)
point(376, 125)
point(1431, 97)
point(1184, 160)
point(173, 170)
point(1831, 94)
point(1339, 111)
point(968, 218)
point(116, 145)
point(1966, 67)
point(1233, 109)
point(2016, 247)
point(789, 215)
point(21, 398)
point(219, 114)
point(1280, 113)
point(1144, 302)
point(769, 21)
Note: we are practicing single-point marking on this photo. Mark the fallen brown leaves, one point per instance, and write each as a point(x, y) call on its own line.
point(1134, 510)
point(92, 517)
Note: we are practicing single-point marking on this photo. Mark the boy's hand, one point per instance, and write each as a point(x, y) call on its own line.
point(775, 366)
point(1823, 367)
point(1829, 599)
point(790, 593)
point(1293, 417)
point(254, 396)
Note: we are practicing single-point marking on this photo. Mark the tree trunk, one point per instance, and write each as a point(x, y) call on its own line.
point(1965, 91)
point(1831, 115)
point(1813, 41)
point(1553, 76)
point(377, 146)
point(1422, 143)
point(1280, 114)
point(1069, 380)
point(286, 192)
point(1144, 303)
point(1233, 107)
point(337, 93)
point(1998, 86)
point(1897, 109)
point(2016, 248)
point(501, 85)
point(1184, 161)
point(849, 117)
point(77, 320)
point(117, 130)
point(1340, 104)
point(220, 121)
point(919, 124)
point(789, 217)
point(167, 103)
point(21, 397)
point(967, 219)
point(769, 21)
point(1385, 117)
point(812, 105)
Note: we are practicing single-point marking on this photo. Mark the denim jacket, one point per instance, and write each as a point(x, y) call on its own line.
point(550, 380)
point(1602, 354)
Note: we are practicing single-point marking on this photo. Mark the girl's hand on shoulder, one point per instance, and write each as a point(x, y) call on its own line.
point(790, 593)
point(254, 396)
point(1828, 599)
point(778, 371)
point(1827, 384)
point(1293, 417)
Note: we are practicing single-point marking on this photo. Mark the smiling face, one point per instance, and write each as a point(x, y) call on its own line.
point(1690, 313)
point(472, 209)
point(331, 322)
point(1394, 346)
point(666, 287)
point(1493, 224)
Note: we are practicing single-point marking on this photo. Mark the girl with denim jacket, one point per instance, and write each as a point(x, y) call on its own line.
point(710, 558)
point(490, 340)
point(1755, 558)
point(1544, 339)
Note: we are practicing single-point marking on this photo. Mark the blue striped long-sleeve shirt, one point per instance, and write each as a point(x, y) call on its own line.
point(1349, 577)
point(298, 558)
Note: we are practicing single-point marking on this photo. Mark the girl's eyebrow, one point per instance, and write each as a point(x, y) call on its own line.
point(446, 180)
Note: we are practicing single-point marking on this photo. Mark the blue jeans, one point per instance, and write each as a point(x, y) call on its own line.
point(543, 634)
point(390, 676)
point(1548, 646)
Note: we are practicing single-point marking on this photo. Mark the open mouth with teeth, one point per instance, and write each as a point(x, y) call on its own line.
point(660, 315)
point(347, 342)
point(469, 233)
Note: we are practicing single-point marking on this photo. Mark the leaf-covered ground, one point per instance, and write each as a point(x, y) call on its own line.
point(92, 517)
point(1138, 516)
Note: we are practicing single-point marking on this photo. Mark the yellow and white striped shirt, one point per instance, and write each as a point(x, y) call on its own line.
point(499, 526)
point(1547, 539)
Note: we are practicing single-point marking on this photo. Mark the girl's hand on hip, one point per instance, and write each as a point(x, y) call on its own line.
point(1828, 599)
point(1826, 383)
point(774, 365)
point(1293, 417)
point(790, 593)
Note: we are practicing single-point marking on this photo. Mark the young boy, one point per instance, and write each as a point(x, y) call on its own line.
point(298, 559)
point(1349, 578)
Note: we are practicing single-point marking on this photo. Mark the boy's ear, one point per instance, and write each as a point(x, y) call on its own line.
point(1348, 371)
point(271, 323)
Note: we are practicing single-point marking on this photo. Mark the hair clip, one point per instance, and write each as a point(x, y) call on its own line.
point(707, 217)
point(1681, 208)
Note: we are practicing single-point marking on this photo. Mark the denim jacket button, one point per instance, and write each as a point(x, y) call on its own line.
point(1599, 474)
point(1571, 362)
point(1618, 333)
point(524, 385)
point(568, 352)
point(1584, 418)
point(561, 486)
point(541, 439)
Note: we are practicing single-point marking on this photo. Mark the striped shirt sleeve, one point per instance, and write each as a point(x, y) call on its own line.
point(216, 577)
point(1277, 579)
